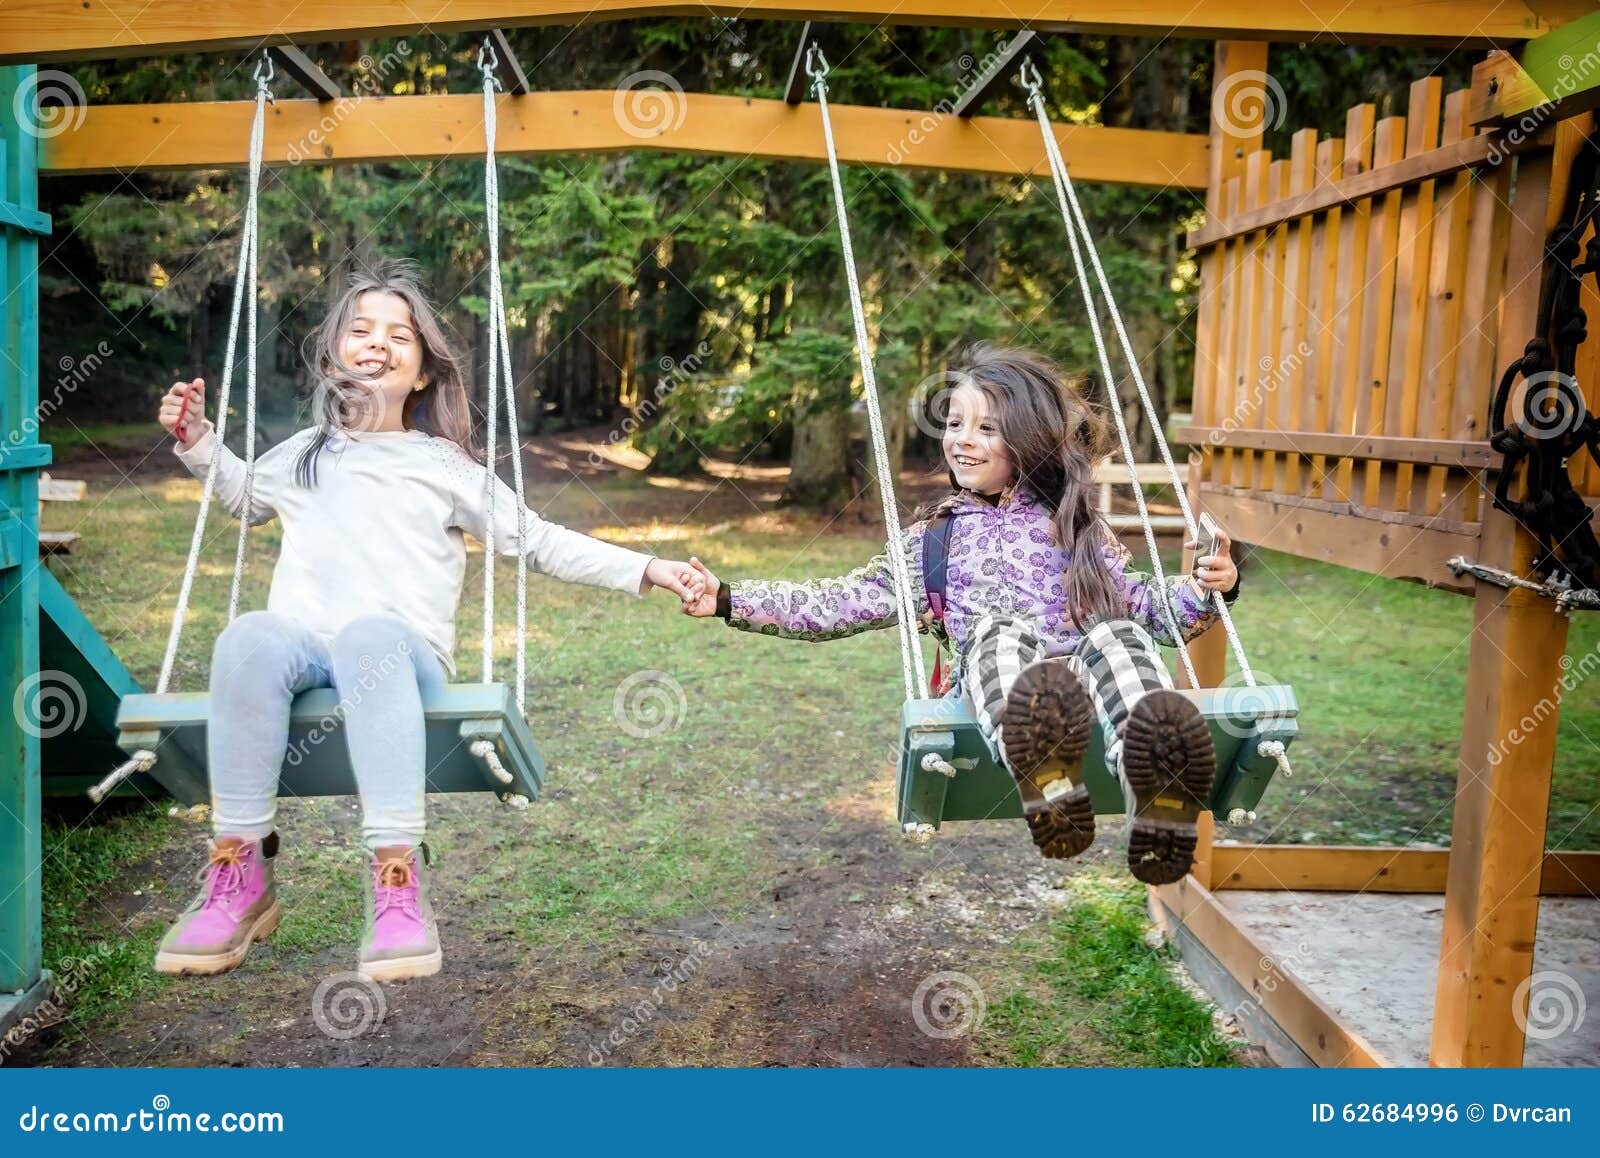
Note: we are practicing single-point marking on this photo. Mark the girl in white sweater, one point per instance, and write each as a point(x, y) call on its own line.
point(375, 499)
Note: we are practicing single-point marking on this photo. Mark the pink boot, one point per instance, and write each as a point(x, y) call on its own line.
point(401, 939)
point(239, 905)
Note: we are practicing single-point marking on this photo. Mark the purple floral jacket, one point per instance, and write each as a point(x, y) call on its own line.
point(1001, 562)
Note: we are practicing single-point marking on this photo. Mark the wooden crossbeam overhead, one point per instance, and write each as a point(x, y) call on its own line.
point(58, 30)
point(209, 135)
point(1558, 73)
point(999, 71)
point(305, 72)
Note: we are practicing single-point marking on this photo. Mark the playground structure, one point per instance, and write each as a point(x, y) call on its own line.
point(1359, 301)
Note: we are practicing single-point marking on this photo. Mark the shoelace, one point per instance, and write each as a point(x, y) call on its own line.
point(395, 886)
point(227, 876)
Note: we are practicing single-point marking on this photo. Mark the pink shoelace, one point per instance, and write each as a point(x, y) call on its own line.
point(227, 876)
point(395, 887)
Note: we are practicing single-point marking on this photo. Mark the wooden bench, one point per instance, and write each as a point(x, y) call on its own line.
point(59, 490)
point(1114, 472)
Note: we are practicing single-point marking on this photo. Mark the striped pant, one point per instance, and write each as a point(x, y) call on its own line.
point(1116, 660)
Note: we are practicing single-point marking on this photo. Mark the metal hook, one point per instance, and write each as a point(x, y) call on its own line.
point(816, 63)
point(1028, 76)
point(489, 61)
point(265, 71)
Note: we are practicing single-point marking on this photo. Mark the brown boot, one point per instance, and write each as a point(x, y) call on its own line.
point(1168, 763)
point(1044, 731)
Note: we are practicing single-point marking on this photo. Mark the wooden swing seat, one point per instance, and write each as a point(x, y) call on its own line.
point(944, 732)
point(317, 761)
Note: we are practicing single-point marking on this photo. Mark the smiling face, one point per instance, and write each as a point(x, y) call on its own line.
point(973, 448)
point(381, 345)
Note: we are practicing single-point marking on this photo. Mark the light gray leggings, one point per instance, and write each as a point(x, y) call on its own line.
point(380, 667)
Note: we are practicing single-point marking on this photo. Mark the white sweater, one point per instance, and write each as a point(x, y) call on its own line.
point(381, 532)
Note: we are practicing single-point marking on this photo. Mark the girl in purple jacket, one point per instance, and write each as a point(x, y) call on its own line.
point(1051, 625)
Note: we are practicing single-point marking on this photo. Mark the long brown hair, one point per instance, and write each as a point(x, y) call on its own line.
point(440, 408)
point(1055, 438)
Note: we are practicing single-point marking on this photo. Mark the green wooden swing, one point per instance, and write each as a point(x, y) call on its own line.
point(946, 771)
point(477, 734)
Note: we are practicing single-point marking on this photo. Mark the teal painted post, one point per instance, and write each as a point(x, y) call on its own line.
point(21, 456)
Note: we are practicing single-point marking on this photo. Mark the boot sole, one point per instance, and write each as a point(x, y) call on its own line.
point(178, 964)
point(403, 968)
point(1169, 764)
point(1048, 719)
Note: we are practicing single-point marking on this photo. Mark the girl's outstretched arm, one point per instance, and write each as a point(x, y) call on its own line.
point(1191, 604)
point(814, 609)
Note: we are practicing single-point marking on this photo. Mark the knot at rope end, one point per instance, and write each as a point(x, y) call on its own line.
point(1274, 750)
point(485, 751)
point(141, 761)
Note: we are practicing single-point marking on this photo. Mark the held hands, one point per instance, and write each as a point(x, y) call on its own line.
point(183, 411)
point(679, 578)
point(1215, 572)
point(704, 605)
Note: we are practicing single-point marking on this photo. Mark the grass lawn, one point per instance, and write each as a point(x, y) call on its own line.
point(749, 840)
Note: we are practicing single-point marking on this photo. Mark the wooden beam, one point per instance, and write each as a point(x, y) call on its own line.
point(998, 68)
point(1440, 162)
point(512, 78)
point(304, 71)
point(1426, 451)
point(1491, 909)
point(1363, 869)
point(118, 138)
point(1392, 550)
point(60, 30)
point(1314, 1027)
point(1553, 77)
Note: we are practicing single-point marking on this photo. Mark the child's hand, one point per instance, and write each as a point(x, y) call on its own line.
point(704, 606)
point(1215, 572)
point(678, 578)
point(183, 411)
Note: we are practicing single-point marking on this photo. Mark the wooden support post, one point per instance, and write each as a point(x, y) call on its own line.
point(1001, 68)
point(22, 980)
point(1514, 670)
point(304, 71)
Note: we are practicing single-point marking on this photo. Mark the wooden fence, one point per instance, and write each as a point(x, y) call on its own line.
point(1348, 338)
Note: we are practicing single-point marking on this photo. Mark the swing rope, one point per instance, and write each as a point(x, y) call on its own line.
point(144, 759)
point(1077, 227)
point(912, 669)
point(500, 359)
